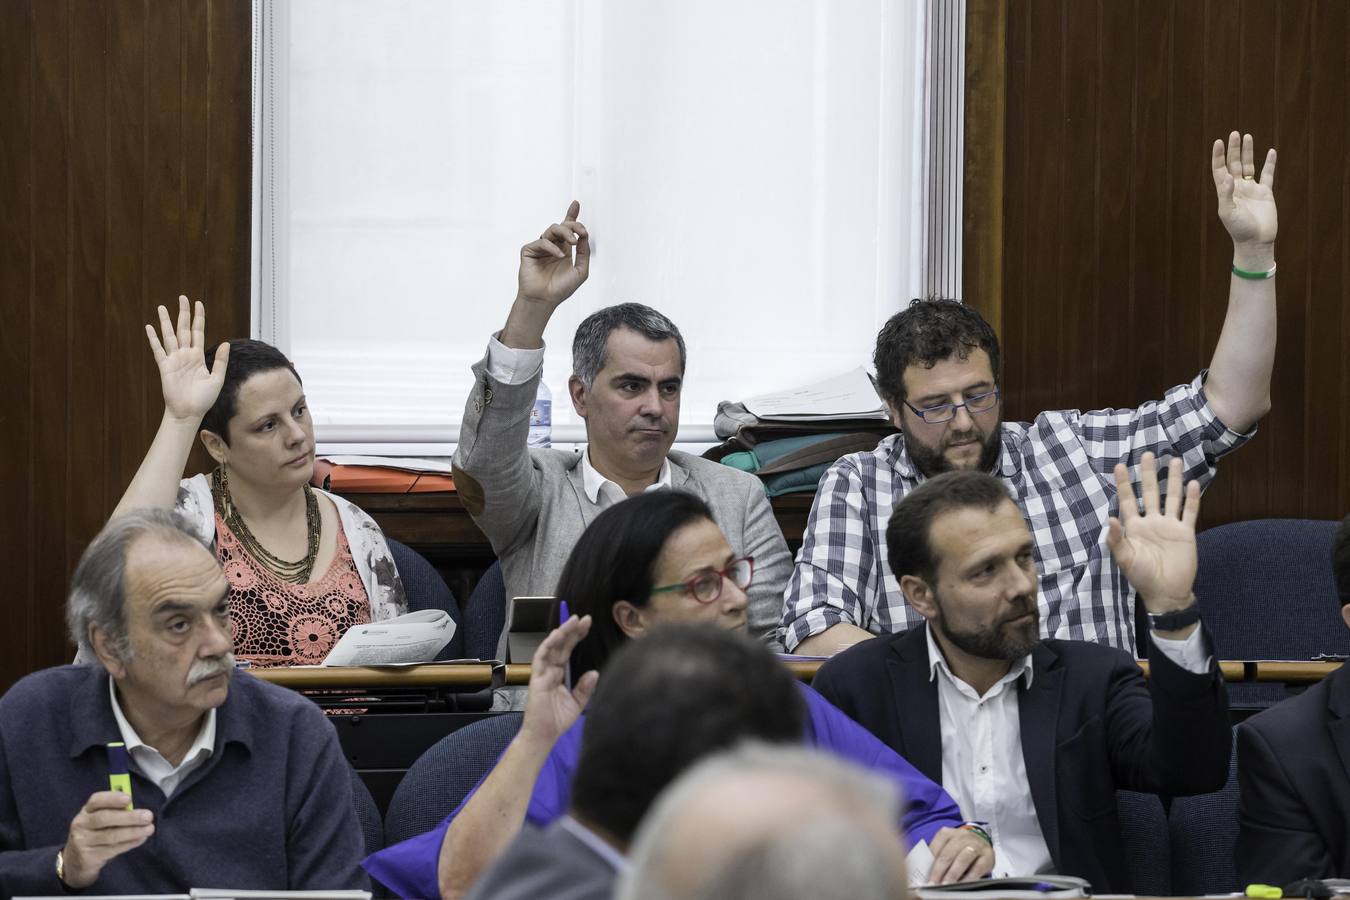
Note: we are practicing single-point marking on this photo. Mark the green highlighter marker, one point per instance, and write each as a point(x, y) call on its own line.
point(119, 774)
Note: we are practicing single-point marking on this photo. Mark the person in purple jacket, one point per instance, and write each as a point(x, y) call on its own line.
point(652, 559)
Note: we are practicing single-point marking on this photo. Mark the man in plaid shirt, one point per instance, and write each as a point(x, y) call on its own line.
point(936, 369)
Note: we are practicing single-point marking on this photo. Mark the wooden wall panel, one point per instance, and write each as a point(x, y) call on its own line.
point(1114, 263)
point(124, 181)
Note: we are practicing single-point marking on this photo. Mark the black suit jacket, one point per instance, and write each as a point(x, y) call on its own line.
point(1294, 777)
point(1090, 724)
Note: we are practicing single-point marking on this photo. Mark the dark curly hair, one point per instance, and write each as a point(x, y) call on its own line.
point(926, 333)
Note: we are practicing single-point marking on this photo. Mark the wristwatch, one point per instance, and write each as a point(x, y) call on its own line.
point(1175, 620)
point(61, 865)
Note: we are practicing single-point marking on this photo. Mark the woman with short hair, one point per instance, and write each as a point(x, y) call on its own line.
point(303, 565)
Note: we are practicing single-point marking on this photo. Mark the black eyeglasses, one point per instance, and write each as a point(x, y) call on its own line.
point(706, 587)
point(945, 412)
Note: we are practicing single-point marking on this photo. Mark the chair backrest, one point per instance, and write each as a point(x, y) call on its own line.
point(1267, 592)
point(1204, 833)
point(445, 773)
point(1143, 833)
point(367, 813)
point(426, 589)
point(485, 615)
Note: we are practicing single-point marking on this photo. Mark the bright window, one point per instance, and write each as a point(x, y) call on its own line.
point(755, 171)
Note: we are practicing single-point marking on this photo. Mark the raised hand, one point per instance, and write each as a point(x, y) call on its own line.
point(189, 387)
point(1156, 548)
point(551, 707)
point(553, 267)
point(1246, 203)
point(103, 829)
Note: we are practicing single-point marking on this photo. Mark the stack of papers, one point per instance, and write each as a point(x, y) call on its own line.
point(414, 637)
point(847, 396)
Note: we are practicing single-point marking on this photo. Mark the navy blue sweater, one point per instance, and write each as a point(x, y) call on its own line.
point(271, 809)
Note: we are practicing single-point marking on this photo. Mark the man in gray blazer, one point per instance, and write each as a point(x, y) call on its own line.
point(628, 368)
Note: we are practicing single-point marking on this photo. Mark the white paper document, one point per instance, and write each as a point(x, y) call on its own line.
point(846, 396)
point(415, 637)
point(402, 463)
point(919, 862)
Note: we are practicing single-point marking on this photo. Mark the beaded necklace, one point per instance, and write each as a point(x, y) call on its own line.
point(297, 572)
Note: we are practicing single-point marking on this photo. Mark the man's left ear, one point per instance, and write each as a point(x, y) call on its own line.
point(918, 595)
point(577, 391)
point(1345, 614)
point(102, 644)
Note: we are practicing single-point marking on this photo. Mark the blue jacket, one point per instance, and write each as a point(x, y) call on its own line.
point(270, 809)
point(409, 868)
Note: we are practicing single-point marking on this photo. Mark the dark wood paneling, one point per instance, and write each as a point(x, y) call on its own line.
point(1115, 266)
point(16, 350)
point(124, 181)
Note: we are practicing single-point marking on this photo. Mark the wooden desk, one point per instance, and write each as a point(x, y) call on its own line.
point(475, 676)
point(439, 522)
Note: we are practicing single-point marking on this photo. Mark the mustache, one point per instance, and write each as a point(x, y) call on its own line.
point(203, 669)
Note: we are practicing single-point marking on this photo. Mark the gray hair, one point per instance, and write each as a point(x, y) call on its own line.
point(591, 342)
point(98, 590)
point(830, 852)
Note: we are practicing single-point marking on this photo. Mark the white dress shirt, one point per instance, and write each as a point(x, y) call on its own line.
point(148, 760)
point(982, 764)
point(512, 365)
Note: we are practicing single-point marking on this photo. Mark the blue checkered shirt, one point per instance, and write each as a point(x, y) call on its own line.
point(1057, 468)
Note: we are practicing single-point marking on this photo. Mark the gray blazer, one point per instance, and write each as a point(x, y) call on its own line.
point(532, 504)
point(546, 864)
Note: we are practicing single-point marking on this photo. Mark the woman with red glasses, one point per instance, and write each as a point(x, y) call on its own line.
point(662, 560)
point(651, 560)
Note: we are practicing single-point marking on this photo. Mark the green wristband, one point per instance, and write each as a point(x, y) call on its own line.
point(1255, 276)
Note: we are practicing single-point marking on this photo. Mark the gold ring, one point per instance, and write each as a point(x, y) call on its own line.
point(1248, 178)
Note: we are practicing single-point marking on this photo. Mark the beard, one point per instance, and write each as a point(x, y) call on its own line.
point(931, 461)
point(998, 641)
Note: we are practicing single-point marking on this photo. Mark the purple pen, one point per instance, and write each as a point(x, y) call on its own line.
point(563, 616)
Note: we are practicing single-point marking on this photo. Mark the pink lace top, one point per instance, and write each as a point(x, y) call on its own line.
point(277, 623)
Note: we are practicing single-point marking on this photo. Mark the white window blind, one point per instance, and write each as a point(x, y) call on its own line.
point(757, 172)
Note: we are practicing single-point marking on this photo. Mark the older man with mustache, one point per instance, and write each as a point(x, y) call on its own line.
point(234, 782)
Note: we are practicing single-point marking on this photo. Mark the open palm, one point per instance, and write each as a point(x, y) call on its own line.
point(1246, 202)
point(189, 387)
point(552, 706)
point(1156, 549)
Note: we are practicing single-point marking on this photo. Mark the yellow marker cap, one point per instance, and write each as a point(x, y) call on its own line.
point(1264, 891)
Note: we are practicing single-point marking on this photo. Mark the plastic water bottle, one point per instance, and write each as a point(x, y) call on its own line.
point(541, 417)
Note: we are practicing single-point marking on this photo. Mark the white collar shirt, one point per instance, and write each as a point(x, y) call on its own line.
point(982, 764)
point(605, 493)
point(148, 760)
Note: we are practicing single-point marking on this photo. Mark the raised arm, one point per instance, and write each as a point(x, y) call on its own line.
point(490, 818)
point(1238, 387)
point(551, 270)
point(189, 391)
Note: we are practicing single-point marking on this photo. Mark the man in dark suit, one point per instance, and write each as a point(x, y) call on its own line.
point(1294, 774)
point(665, 702)
point(1033, 737)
